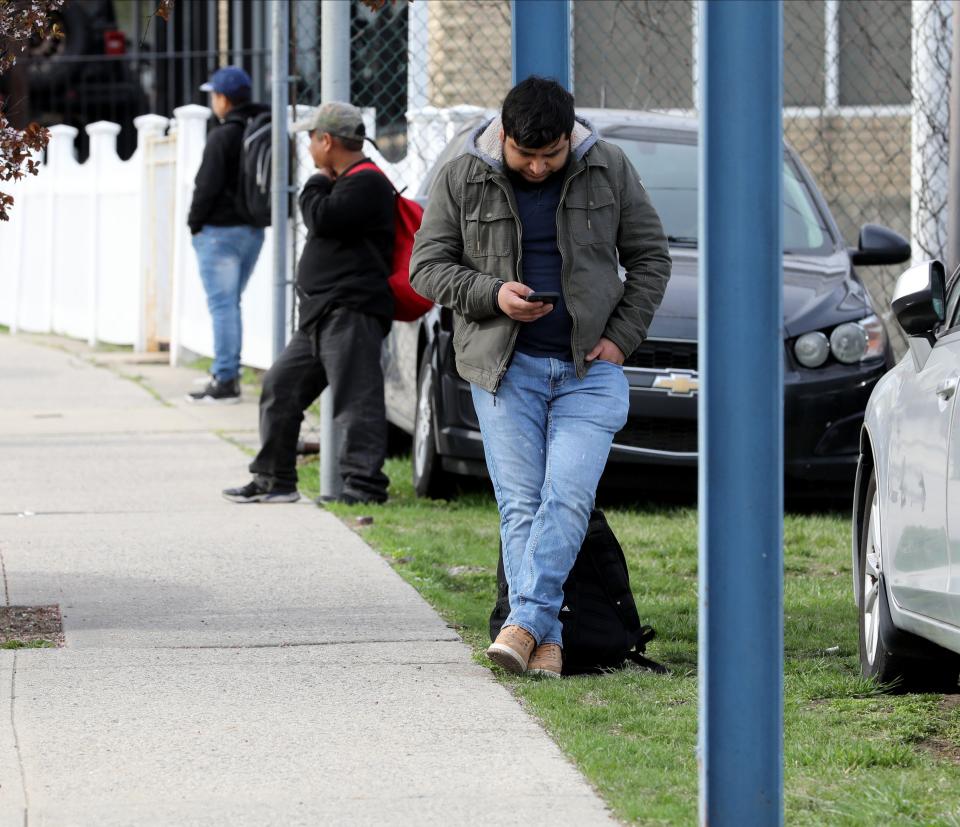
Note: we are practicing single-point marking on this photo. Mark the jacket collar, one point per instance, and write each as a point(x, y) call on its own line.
point(484, 143)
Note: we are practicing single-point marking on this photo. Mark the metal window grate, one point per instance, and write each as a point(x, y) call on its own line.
point(660, 355)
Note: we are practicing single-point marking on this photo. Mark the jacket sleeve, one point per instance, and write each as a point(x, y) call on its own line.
point(344, 210)
point(644, 253)
point(210, 181)
point(436, 270)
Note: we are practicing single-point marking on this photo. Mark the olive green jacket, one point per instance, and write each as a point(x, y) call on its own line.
point(470, 239)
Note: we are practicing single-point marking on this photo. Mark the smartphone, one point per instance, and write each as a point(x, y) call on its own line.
point(547, 296)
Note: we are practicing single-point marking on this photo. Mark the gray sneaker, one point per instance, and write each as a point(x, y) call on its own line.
point(253, 492)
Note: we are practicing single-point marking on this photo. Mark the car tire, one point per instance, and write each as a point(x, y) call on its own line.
point(429, 478)
point(896, 672)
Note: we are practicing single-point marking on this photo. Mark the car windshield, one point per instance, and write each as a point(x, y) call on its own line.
point(669, 171)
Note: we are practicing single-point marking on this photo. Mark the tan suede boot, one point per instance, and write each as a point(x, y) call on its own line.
point(511, 650)
point(546, 661)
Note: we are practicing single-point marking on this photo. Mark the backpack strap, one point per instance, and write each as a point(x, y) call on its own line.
point(363, 167)
point(646, 663)
point(368, 165)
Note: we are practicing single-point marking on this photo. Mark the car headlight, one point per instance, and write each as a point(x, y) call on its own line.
point(876, 337)
point(812, 349)
point(856, 341)
point(850, 342)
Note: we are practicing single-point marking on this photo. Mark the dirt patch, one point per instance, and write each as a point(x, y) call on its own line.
point(944, 749)
point(949, 702)
point(30, 626)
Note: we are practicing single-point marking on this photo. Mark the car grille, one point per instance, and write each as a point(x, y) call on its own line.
point(662, 355)
point(675, 435)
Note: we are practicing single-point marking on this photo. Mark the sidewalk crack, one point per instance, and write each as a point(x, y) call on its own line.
point(6, 586)
point(16, 742)
point(308, 643)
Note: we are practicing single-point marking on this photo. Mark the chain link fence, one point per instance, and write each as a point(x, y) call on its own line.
point(866, 86)
point(405, 57)
point(849, 70)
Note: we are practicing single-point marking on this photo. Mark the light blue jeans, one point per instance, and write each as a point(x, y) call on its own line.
point(226, 256)
point(547, 436)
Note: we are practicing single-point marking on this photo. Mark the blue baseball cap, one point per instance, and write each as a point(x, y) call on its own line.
point(229, 81)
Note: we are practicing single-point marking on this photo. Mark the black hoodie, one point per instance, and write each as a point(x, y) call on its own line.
point(216, 181)
point(349, 250)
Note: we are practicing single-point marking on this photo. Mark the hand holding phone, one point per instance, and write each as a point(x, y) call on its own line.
point(547, 296)
point(513, 300)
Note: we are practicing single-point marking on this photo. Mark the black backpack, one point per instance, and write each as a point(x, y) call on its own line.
point(252, 198)
point(601, 627)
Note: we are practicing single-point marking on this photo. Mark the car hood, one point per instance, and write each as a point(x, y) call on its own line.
point(818, 292)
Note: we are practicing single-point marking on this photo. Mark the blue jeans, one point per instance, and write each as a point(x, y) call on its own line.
point(227, 256)
point(547, 436)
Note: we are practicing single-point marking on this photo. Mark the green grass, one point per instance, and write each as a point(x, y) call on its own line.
point(27, 644)
point(106, 347)
point(852, 754)
point(139, 379)
point(248, 376)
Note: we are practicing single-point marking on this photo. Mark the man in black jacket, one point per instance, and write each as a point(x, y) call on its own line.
point(227, 247)
point(346, 308)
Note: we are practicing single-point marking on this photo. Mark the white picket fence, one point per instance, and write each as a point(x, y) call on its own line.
point(101, 251)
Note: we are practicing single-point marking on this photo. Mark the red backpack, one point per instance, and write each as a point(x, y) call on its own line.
point(408, 303)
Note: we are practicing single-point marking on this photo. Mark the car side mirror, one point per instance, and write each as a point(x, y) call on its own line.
point(880, 245)
point(918, 299)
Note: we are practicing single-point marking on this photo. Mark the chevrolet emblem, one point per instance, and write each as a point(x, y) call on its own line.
point(677, 384)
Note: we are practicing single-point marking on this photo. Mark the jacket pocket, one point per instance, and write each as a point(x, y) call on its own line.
point(489, 231)
point(592, 215)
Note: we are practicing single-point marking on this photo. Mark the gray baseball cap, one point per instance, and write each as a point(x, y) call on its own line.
point(339, 119)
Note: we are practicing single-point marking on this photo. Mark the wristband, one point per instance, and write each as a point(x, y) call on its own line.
point(496, 293)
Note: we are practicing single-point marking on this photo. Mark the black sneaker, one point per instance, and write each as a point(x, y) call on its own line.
point(222, 393)
point(254, 492)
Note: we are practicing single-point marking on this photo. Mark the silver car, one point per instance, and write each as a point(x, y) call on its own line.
point(906, 515)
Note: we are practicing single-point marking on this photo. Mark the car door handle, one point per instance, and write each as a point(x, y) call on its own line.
point(947, 388)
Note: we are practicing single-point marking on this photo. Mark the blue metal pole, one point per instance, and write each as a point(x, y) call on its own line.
point(541, 40)
point(280, 188)
point(741, 415)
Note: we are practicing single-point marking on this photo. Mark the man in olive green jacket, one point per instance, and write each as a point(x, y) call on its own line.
point(539, 205)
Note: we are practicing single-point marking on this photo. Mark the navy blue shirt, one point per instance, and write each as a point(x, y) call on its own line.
point(541, 265)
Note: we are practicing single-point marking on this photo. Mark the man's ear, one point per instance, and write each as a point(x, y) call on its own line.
point(503, 135)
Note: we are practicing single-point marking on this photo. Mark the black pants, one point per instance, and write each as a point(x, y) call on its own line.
point(344, 352)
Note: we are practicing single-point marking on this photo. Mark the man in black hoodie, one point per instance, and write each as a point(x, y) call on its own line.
point(227, 247)
point(346, 308)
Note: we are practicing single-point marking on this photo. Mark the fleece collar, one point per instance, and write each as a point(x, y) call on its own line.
point(484, 142)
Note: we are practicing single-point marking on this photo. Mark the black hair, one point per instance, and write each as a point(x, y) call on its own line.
point(537, 112)
point(240, 97)
point(350, 144)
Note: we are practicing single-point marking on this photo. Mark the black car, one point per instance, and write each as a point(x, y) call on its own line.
point(835, 345)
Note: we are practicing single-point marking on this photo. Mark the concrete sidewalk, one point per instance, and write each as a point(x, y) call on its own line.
point(225, 664)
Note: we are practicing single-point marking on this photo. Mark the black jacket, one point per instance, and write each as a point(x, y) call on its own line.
point(349, 249)
point(216, 181)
